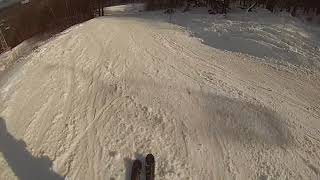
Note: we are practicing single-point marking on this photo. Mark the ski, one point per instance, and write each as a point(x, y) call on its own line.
point(150, 167)
point(136, 170)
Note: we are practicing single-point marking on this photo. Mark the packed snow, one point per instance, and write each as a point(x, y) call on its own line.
point(276, 37)
point(212, 97)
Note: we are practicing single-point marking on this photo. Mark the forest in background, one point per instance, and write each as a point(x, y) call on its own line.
point(28, 18)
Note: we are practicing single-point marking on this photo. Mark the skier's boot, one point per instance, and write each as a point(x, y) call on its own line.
point(150, 167)
point(136, 170)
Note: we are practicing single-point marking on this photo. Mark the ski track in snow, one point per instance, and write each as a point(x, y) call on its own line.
point(117, 88)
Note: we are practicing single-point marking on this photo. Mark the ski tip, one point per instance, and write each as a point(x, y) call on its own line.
point(136, 170)
point(150, 167)
point(150, 158)
point(137, 164)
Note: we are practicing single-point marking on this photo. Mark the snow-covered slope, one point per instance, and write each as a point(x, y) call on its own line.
point(116, 88)
point(124, 9)
point(275, 37)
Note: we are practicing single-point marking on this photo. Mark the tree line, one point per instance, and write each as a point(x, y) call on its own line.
point(23, 20)
point(221, 6)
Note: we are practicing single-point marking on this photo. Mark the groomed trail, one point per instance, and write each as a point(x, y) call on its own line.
point(116, 88)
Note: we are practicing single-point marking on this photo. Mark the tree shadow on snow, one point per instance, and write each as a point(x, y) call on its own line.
point(231, 119)
point(23, 164)
point(244, 123)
